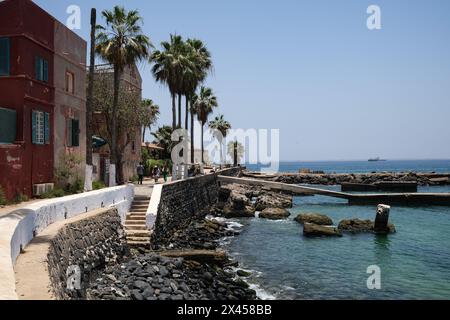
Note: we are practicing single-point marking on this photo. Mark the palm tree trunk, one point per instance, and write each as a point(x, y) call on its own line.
point(114, 150)
point(179, 110)
point(90, 91)
point(203, 160)
point(186, 116)
point(143, 134)
point(174, 113)
point(192, 135)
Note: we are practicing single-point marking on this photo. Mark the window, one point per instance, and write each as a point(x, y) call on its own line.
point(41, 69)
point(7, 125)
point(4, 57)
point(40, 131)
point(73, 132)
point(70, 82)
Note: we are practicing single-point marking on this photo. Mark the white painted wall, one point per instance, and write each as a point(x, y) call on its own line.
point(152, 210)
point(18, 228)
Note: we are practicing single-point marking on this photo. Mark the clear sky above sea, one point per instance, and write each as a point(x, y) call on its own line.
point(336, 90)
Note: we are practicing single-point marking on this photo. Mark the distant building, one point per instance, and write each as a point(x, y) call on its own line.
point(37, 53)
point(131, 78)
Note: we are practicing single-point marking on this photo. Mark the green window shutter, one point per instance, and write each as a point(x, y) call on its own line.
point(4, 56)
point(47, 127)
point(33, 127)
point(45, 70)
point(75, 133)
point(8, 121)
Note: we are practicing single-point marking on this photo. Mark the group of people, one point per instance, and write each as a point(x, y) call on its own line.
point(156, 173)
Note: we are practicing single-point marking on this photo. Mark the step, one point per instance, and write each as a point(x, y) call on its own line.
point(139, 213)
point(135, 218)
point(137, 227)
point(137, 233)
point(139, 207)
point(140, 202)
point(139, 243)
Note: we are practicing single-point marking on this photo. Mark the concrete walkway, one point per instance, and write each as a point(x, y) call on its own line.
point(31, 272)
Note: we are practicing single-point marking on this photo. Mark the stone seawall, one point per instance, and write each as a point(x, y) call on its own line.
point(179, 202)
point(84, 247)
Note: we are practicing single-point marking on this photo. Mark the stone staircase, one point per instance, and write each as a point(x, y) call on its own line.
point(136, 230)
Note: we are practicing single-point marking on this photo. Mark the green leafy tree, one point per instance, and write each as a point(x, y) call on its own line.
point(163, 138)
point(219, 123)
point(150, 117)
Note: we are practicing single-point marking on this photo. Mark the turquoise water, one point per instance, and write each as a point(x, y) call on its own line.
point(363, 166)
point(414, 262)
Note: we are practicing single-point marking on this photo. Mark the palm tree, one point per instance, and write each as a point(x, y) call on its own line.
point(163, 137)
point(196, 72)
point(203, 106)
point(167, 68)
point(222, 125)
point(153, 113)
point(121, 43)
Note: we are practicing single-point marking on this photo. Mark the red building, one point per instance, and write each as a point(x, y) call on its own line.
point(27, 96)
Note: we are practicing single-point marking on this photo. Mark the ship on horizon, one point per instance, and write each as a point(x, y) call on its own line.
point(376, 159)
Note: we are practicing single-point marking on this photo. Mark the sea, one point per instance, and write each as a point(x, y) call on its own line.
point(413, 263)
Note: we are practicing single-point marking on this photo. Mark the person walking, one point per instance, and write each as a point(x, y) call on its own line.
point(140, 172)
point(156, 174)
point(165, 173)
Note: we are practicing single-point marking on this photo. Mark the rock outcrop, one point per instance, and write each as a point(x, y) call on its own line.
point(274, 213)
point(358, 226)
point(315, 230)
point(315, 218)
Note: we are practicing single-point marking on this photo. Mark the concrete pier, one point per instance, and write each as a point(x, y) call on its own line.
point(441, 199)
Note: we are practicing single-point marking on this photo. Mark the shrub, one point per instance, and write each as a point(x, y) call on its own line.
point(65, 172)
point(151, 163)
point(77, 186)
point(134, 178)
point(55, 193)
point(20, 197)
point(2, 197)
point(96, 185)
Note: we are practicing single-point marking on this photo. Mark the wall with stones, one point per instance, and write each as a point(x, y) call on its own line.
point(90, 244)
point(173, 205)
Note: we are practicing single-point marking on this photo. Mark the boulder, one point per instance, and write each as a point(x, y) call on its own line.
point(315, 230)
point(357, 226)
point(274, 213)
point(315, 218)
point(248, 211)
point(273, 200)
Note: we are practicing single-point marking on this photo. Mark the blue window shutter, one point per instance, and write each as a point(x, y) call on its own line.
point(33, 127)
point(47, 127)
point(4, 56)
point(45, 70)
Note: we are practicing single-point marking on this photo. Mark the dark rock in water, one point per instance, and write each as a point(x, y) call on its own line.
point(315, 230)
point(247, 212)
point(243, 273)
point(315, 218)
point(274, 213)
point(358, 226)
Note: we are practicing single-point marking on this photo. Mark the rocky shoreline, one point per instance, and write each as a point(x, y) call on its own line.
point(188, 266)
point(422, 178)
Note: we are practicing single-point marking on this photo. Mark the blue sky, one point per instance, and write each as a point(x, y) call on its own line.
point(336, 90)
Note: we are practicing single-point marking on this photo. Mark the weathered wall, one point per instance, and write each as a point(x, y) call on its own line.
point(173, 205)
point(89, 244)
point(70, 56)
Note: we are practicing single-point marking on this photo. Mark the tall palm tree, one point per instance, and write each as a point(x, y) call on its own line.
point(204, 103)
point(121, 43)
point(196, 72)
point(222, 125)
point(153, 113)
point(168, 69)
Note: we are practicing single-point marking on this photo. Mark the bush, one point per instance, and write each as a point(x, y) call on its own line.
point(2, 197)
point(55, 193)
point(20, 197)
point(77, 186)
point(96, 185)
point(134, 178)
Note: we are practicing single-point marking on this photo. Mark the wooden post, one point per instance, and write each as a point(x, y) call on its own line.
point(382, 219)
